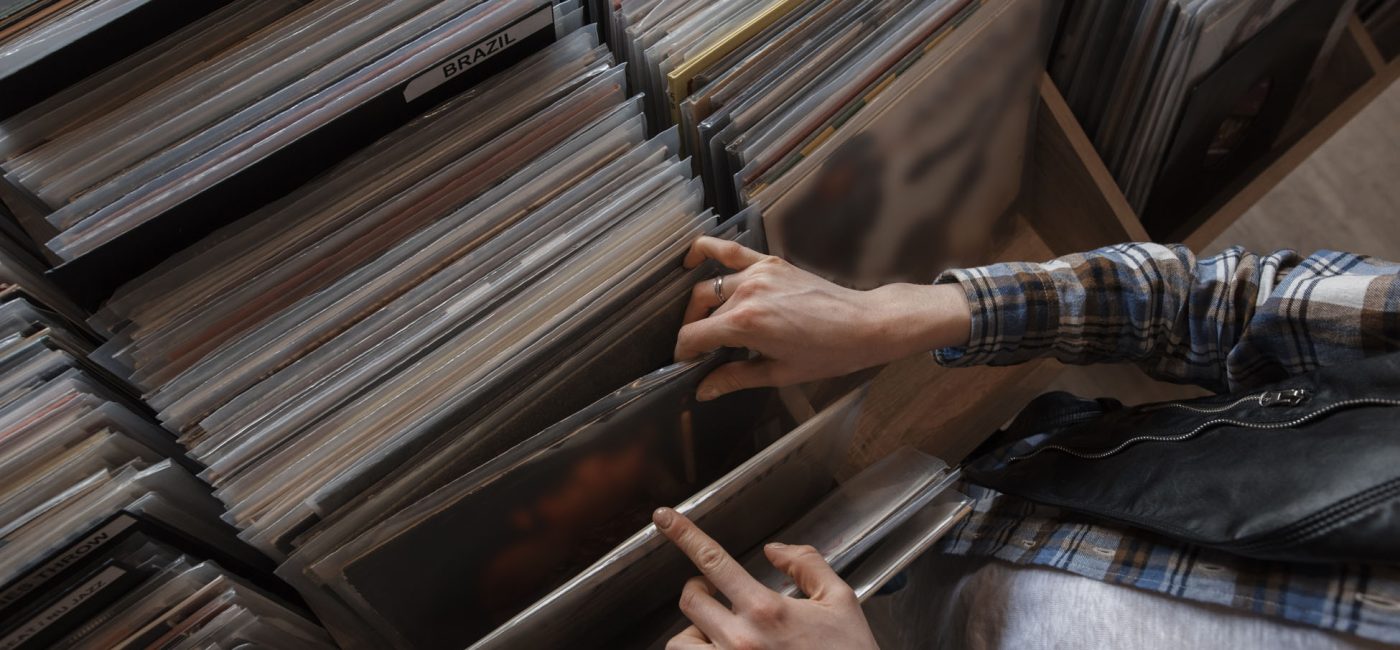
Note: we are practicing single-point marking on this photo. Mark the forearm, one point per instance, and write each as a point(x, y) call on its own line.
point(1225, 322)
point(915, 318)
point(1148, 304)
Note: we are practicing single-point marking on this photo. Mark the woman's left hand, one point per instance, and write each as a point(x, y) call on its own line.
point(759, 617)
point(803, 327)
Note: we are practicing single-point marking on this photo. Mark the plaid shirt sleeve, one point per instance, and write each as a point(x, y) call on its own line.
point(1228, 322)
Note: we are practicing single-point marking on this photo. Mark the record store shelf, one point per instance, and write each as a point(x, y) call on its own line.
point(1072, 203)
point(1075, 204)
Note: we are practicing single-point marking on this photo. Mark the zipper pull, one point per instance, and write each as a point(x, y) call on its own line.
point(1290, 397)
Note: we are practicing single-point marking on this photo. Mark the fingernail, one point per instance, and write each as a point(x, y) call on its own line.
point(777, 546)
point(707, 393)
point(663, 517)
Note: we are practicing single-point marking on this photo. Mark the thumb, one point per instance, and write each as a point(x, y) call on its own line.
point(808, 570)
point(736, 376)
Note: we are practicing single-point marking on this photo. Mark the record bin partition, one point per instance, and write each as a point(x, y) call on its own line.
point(124, 35)
point(1074, 203)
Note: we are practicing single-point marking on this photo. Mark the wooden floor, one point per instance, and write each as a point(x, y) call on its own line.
point(1346, 196)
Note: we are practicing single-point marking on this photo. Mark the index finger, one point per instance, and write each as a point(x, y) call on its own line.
point(713, 561)
point(732, 255)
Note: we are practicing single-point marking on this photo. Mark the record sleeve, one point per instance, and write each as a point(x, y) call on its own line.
point(896, 197)
point(738, 510)
point(35, 67)
point(907, 543)
point(278, 165)
point(1235, 113)
point(557, 503)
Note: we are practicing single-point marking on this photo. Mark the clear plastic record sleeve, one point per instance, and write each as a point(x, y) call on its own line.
point(44, 480)
point(394, 320)
point(648, 444)
point(119, 84)
point(306, 102)
point(298, 144)
point(335, 307)
point(562, 322)
point(373, 333)
point(876, 508)
point(442, 321)
point(65, 519)
point(342, 206)
point(373, 234)
point(503, 328)
point(860, 513)
point(780, 132)
point(454, 313)
point(43, 52)
point(439, 319)
point(87, 598)
point(907, 543)
point(410, 408)
point(252, 243)
point(150, 519)
point(631, 341)
point(92, 152)
point(331, 309)
point(643, 572)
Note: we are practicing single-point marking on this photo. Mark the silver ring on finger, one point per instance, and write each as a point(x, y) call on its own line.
point(719, 289)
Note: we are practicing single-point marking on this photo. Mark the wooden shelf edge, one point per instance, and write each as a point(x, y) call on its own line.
point(1075, 202)
point(1366, 44)
point(1287, 161)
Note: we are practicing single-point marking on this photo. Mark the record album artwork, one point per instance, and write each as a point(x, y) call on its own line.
point(1236, 112)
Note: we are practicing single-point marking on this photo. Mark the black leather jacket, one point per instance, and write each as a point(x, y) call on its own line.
point(1305, 470)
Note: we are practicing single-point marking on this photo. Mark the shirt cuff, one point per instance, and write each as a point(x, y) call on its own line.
point(977, 351)
point(1015, 309)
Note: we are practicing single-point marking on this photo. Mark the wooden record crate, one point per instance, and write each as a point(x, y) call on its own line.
point(1071, 203)
point(1076, 205)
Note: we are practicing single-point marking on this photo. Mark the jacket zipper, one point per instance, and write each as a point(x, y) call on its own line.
point(1377, 401)
point(1289, 397)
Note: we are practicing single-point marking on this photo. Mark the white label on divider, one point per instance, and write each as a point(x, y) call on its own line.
point(74, 553)
point(56, 611)
point(478, 53)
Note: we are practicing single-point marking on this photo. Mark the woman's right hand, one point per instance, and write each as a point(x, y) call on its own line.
point(803, 327)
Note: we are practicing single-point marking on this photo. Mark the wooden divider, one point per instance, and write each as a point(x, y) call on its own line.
point(1072, 203)
point(1075, 204)
point(946, 412)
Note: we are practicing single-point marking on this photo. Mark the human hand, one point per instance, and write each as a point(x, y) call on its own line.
point(803, 327)
point(759, 617)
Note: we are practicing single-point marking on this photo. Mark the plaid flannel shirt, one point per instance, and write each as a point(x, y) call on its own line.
point(1227, 323)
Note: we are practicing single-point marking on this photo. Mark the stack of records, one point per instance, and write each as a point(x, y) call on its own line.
point(883, 139)
point(47, 45)
point(405, 279)
point(236, 109)
point(448, 292)
point(106, 538)
point(1181, 96)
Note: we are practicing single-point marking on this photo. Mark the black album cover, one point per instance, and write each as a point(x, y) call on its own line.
point(1234, 115)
